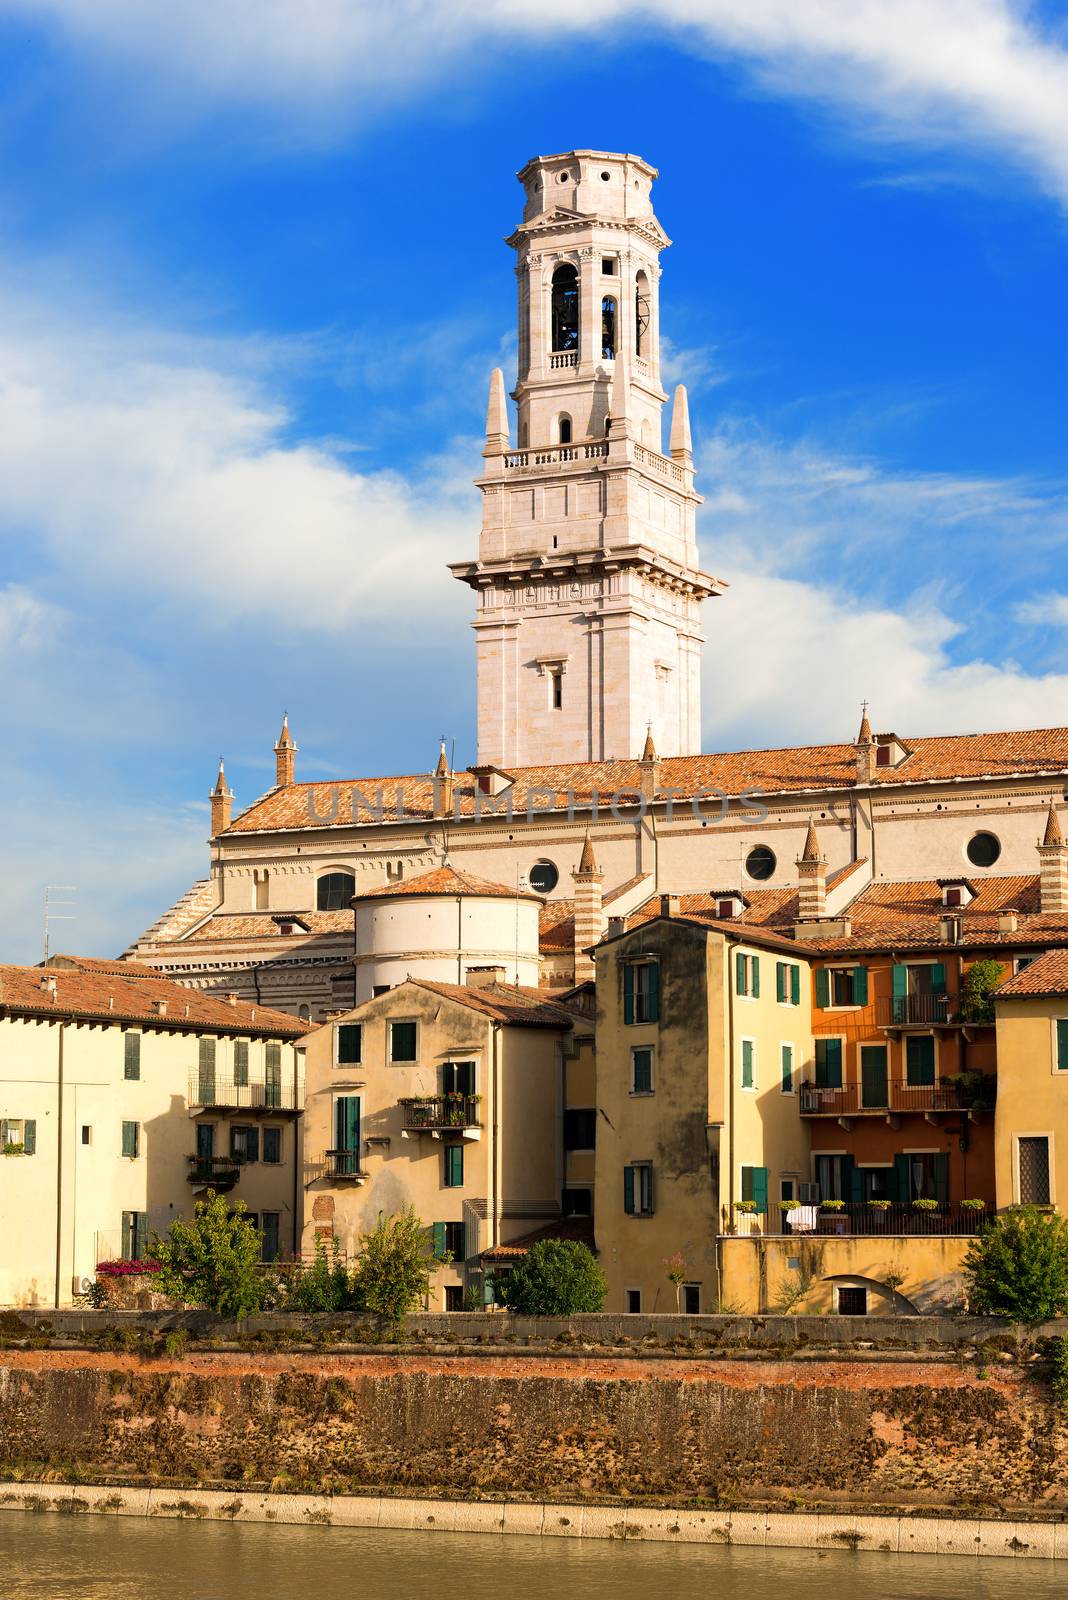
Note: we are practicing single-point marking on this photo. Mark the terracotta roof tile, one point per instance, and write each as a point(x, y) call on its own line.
point(447, 881)
point(579, 1229)
point(104, 996)
point(266, 925)
point(556, 926)
point(518, 1005)
point(1047, 975)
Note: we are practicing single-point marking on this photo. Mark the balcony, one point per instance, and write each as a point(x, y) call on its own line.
point(916, 1011)
point(898, 1096)
point(441, 1113)
point(884, 1217)
point(213, 1172)
point(218, 1091)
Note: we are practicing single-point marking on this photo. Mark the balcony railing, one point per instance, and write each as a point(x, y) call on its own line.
point(343, 1164)
point(915, 1010)
point(222, 1090)
point(557, 455)
point(897, 1217)
point(856, 1099)
point(215, 1172)
point(440, 1111)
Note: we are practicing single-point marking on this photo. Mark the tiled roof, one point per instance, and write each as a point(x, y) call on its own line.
point(266, 925)
point(119, 969)
point(522, 1007)
point(766, 908)
point(579, 1229)
point(101, 996)
point(899, 916)
point(556, 926)
point(800, 768)
point(447, 881)
point(1048, 975)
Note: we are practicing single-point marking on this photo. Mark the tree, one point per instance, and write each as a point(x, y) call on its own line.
point(394, 1265)
point(977, 987)
point(1017, 1267)
point(212, 1261)
point(325, 1285)
point(556, 1278)
point(677, 1272)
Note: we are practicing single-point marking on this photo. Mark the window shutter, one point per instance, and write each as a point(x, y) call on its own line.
point(1062, 1044)
point(739, 973)
point(940, 1171)
point(780, 981)
point(140, 1235)
point(760, 1186)
point(856, 1186)
point(846, 1171)
point(241, 1063)
point(795, 986)
point(756, 977)
point(901, 982)
point(129, 1138)
point(823, 987)
point(128, 1218)
point(901, 1175)
point(747, 1183)
point(747, 1063)
point(860, 986)
point(654, 992)
point(938, 978)
point(628, 1191)
point(29, 1137)
point(834, 1063)
point(628, 992)
point(788, 1067)
point(132, 1055)
point(437, 1239)
point(252, 1144)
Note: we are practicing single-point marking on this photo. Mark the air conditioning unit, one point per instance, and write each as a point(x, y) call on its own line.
point(81, 1285)
point(809, 1194)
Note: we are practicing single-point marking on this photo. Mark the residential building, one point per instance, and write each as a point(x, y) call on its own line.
point(124, 1097)
point(1032, 1117)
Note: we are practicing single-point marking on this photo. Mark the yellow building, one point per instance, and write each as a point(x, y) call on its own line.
point(447, 1098)
point(122, 1098)
point(703, 1035)
point(1031, 1122)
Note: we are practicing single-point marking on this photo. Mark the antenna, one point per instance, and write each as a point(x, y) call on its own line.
point(50, 916)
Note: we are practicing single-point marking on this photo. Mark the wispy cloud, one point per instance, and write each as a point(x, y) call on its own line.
point(1048, 610)
point(963, 75)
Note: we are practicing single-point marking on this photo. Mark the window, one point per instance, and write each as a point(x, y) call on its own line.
point(578, 1202)
point(380, 988)
point(556, 688)
point(641, 1070)
point(787, 983)
point(132, 1055)
point(920, 1060)
point(272, 1145)
point(829, 1063)
point(755, 1186)
point(565, 308)
point(404, 1041)
point(134, 1235)
point(787, 1084)
point(348, 1043)
point(841, 986)
point(454, 1297)
point(261, 880)
point(748, 1064)
point(205, 1142)
point(334, 891)
point(928, 1175)
point(270, 1230)
point(983, 849)
point(580, 1129)
point(641, 991)
point(1020, 962)
point(874, 1084)
point(19, 1136)
point(240, 1063)
point(1060, 1044)
point(608, 266)
point(691, 1299)
point(454, 1240)
point(206, 1071)
point(747, 975)
point(453, 1163)
point(634, 1302)
point(565, 430)
point(272, 1075)
point(833, 1177)
point(760, 863)
point(641, 314)
point(852, 1302)
point(608, 328)
point(458, 1077)
point(543, 877)
point(87, 1133)
point(131, 1139)
point(638, 1189)
point(347, 1135)
point(244, 1143)
point(1033, 1157)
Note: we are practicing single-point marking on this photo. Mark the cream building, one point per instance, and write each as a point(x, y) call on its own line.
point(1031, 1125)
point(122, 1099)
point(447, 1098)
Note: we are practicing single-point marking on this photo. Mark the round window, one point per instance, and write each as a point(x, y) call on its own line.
point(606, 177)
point(760, 862)
point(563, 177)
point(543, 877)
point(983, 849)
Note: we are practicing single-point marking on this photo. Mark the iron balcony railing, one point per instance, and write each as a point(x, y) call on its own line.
point(856, 1099)
point(216, 1172)
point(915, 1010)
point(342, 1164)
point(440, 1111)
point(896, 1217)
point(224, 1091)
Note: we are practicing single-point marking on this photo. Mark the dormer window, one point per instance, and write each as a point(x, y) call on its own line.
point(882, 755)
point(956, 892)
point(889, 750)
point(729, 902)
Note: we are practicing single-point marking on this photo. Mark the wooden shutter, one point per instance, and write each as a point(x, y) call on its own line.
point(780, 981)
point(832, 1062)
point(940, 1170)
point(628, 992)
point(132, 1055)
point(856, 1186)
point(823, 987)
point(140, 1235)
point(437, 1239)
point(788, 1068)
point(739, 973)
point(653, 1006)
point(348, 1122)
point(252, 1144)
point(938, 978)
point(1062, 1044)
point(747, 1063)
point(29, 1137)
point(760, 1186)
point(240, 1063)
point(628, 1191)
point(795, 986)
point(860, 986)
point(901, 1176)
point(756, 976)
point(129, 1138)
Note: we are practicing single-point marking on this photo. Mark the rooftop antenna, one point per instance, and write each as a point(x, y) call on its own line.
point(50, 900)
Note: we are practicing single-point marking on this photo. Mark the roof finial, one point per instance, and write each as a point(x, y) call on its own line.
point(811, 851)
point(496, 416)
point(442, 768)
point(649, 751)
point(865, 734)
point(587, 861)
point(1053, 835)
point(681, 445)
point(220, 782)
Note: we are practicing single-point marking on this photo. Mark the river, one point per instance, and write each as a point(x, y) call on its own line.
point(124, 1558)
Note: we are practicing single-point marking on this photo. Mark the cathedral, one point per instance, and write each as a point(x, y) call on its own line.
point(589, 797)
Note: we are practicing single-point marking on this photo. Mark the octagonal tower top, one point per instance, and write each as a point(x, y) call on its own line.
point(588, 182)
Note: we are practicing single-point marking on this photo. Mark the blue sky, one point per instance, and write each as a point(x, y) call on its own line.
point(252, 283)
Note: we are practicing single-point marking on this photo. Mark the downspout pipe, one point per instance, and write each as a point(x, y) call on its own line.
point(59, 1156)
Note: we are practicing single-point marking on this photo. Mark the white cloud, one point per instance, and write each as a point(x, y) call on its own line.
point(957, 73)
point(1049, 610)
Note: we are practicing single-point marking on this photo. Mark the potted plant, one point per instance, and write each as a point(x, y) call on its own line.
point(925, 1203)
point(973, 1205)
point(746, 1220)
point(13, 1149)
point(833, 1218)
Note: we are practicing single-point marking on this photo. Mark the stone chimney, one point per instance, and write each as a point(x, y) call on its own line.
point(812, 878)
point(865, 748)
point(589, 910)
point(485, 977)
point(285, 757)
point(650, 765)
point(222, 800)
point(1053, 860)
point(444, 784)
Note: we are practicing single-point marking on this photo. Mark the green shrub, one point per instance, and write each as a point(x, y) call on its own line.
point(394, 1265)
point(556, 1278)
point(976, 988)
point(212, 1261)
point(1059, 1375)
point(1017, 1267)
point(325, 1285)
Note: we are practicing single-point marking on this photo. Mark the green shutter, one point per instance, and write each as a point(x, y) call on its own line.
point(759, 1191)
point(29, 1137)
point(795, 986)
point(132, 1055)
point(901, 982)
point(240, 1063)
point(920, 1061)
point(628, 1191)
point(780, 981)
point(788, 1068)
point(829, 1063)
point(756, 977)
point(739, 973)
point(348, 1122)
point(846, 1170)
point(901, 1175)
point(654, 992)
point(856, 1186)
point(823, 987)
point(940, 1166)
point(437, 1240)
point(938, 978)
point(454, 1166)
point(747, 1063)
point(129, 1138)
point(860, 986)
point(1062, 1044)
point(628, 992)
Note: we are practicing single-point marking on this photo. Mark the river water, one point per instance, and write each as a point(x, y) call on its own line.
point(124, 1558)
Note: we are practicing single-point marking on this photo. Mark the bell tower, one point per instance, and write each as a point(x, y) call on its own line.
point(587, 577)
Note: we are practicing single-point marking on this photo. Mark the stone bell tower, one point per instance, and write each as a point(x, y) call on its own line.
point(587, 577)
